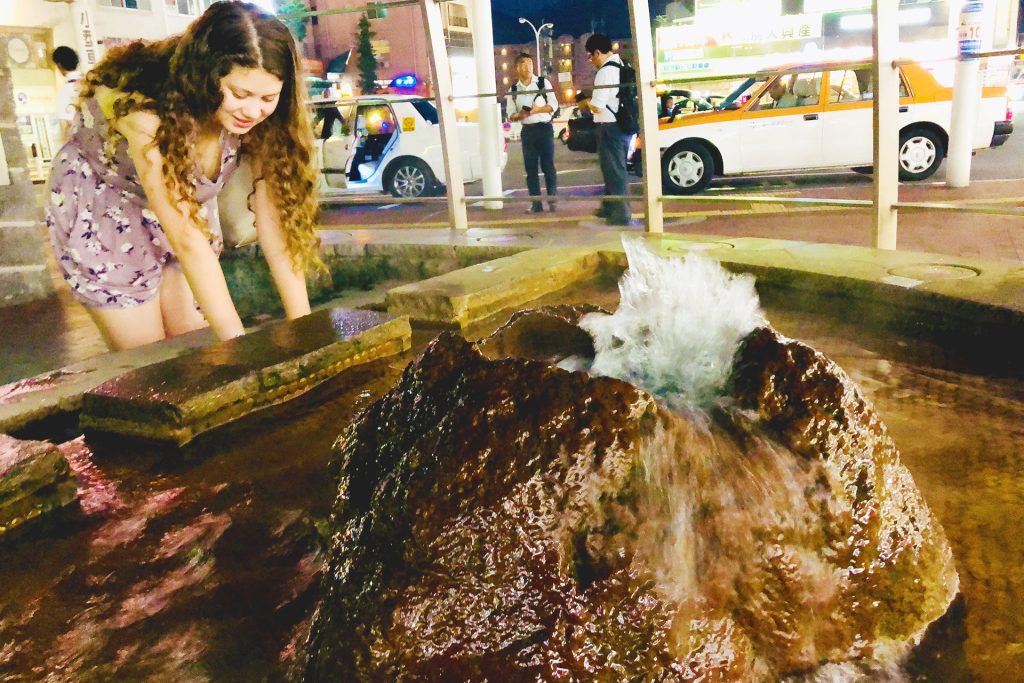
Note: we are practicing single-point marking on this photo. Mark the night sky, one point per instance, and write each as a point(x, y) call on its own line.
point(568, 16)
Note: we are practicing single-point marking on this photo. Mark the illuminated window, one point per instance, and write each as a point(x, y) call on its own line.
point(504, 65)
point(566, 47)
point(615, 46)
point(504, 51)
point(568, 92)
point(127, 4)
point(504, 81)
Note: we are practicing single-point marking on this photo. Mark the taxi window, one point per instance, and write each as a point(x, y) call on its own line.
point(347, 110)
point(844, 86)
point(790, 91)
point(376, 119)
point(856, 85)
point(426, 110)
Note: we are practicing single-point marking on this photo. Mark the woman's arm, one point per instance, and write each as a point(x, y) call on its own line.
point(198, 261)
point(290, 282)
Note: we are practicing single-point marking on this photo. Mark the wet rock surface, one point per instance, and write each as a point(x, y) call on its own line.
point(508, 520)
point(35, 480)
point(178, 399)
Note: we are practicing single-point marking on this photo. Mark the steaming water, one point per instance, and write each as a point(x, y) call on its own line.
point(677, 327)
point(723, 513)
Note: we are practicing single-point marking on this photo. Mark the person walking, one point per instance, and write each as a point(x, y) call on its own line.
point(66, 60)
point(535, 111)
point(612, 142)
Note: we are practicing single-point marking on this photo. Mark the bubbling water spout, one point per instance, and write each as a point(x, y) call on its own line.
point(677, 327)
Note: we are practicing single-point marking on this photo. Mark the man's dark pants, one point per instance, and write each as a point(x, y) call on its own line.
point(539, 147)
point(612, 145)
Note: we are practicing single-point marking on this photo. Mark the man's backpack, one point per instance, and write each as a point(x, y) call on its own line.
point(540, 86)
point(628, 114)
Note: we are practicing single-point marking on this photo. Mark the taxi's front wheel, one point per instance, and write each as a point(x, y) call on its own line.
point(921, 152)
point(687, 167)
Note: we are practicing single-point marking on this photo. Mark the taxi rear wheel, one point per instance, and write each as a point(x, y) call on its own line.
point(921, 152)
point(410, 178)
point(687, 167)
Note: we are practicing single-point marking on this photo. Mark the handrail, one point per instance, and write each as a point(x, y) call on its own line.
point(992, 209)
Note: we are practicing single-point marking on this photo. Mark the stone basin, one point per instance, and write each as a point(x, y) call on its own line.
point(176, 400)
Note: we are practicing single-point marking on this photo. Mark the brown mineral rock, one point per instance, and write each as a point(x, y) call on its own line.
point(506, 520)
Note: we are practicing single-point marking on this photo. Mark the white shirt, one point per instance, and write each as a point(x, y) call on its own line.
point(516, 101)
point(605, 98)
point(67, 97)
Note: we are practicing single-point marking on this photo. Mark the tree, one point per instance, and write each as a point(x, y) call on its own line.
point(366, 62)
point(296, 26)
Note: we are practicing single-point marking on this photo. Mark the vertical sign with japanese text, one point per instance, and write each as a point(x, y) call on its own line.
point(88, 41)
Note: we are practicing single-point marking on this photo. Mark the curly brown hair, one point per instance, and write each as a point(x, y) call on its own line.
point(178, 79)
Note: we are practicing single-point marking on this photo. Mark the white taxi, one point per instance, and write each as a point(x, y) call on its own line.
point(818, 117)
point(391, 143)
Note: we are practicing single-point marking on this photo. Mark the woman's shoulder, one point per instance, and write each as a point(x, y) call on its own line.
point(137, 122)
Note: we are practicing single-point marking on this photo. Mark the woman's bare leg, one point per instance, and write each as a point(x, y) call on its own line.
point(126, 328)
point(177, 304)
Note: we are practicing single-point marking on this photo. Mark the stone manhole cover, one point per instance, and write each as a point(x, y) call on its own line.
point(934, 271)
point(685, 246)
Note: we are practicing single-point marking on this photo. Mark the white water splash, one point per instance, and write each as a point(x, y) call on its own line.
point(677, 327)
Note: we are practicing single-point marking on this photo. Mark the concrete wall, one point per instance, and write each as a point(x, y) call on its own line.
point(24, 275)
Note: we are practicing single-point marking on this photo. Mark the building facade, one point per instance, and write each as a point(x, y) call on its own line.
point(399, 43)
point(701, 38)
point(30, 29)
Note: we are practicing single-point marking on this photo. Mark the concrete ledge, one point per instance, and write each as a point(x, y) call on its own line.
point(21, 284)
point(470, 294)
point(35, 480)
point(35, 399)
point(22, 243)
point(176, 400)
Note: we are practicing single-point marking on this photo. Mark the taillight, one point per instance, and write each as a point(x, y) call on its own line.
point(1009, 111)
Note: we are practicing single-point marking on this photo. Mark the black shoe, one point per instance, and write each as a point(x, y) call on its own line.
point(617, 220)
point(552, 206)
point(601, 213)
point(536, 208)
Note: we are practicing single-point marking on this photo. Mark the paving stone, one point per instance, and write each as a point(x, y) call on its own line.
point(35, 480)
point(176, 400)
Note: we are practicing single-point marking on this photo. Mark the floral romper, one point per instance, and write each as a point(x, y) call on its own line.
point(110, 247)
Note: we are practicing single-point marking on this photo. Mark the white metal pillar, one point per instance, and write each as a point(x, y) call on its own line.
point(442, 73)
point(491, 133)
point(966, 96)
point(643, 49)
point(885, 40)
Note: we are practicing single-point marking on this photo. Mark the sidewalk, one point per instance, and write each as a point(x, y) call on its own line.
point(56, 332)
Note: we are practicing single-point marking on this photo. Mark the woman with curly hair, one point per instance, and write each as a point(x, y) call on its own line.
point(132, 212)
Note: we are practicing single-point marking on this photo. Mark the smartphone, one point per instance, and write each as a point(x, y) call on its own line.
point(526, 109)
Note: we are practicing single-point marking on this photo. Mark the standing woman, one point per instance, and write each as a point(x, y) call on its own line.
point(132, 212)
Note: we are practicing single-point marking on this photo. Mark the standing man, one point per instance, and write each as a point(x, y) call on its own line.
point(66, 60)
point(535, 111)
point(612, 143)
